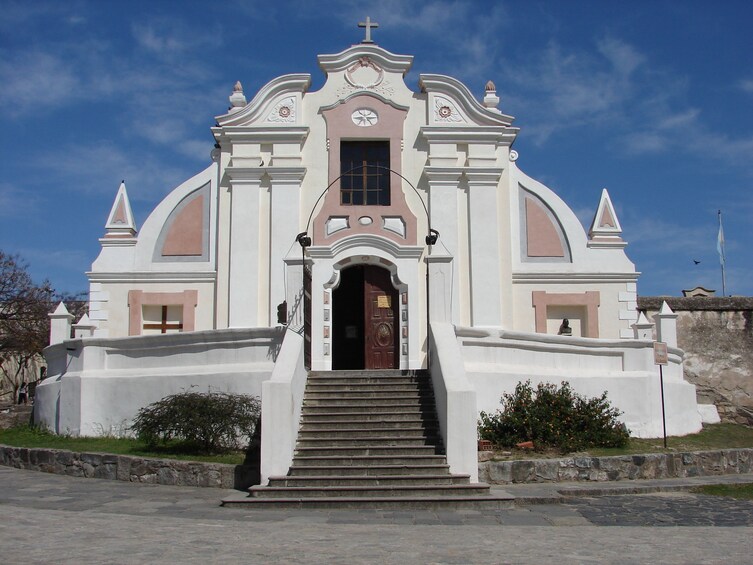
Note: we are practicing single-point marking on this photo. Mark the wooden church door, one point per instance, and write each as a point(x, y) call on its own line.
point(365, 323)
point(380, 307)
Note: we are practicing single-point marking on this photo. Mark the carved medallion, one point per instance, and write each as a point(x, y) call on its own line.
point(364, 73)
point(283, 111)
point(364, 117)
point(383, 335)
point(446, 111)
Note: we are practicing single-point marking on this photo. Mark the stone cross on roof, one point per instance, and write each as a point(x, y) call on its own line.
point(368, 24)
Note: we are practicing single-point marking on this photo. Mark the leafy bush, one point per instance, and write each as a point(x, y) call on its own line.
point(212, 422)
point(553, 417)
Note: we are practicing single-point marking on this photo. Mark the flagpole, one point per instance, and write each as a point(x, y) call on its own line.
point(722, 259)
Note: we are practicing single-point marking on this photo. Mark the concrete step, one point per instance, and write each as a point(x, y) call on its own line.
point(478, 489)
point(367, 470)
point(366, 417)
point(369, 401)
point(364, 451)
point(366, 394)
point(368, 390)
point(362, 409)
point(370, 442)
point(308, 433)
point(355, 387)
point(378, 382)
point(368, 373)
point(351, 426)
point(405, 503)
point(369, 461)
point(368, 481)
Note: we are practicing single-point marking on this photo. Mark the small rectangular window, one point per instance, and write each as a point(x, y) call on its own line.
point(365, 170)
point(162, 319)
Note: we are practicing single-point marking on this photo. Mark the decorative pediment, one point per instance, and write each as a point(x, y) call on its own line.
point(451, 103)
point(278, 101)
point(365, 68)
point(373, 55)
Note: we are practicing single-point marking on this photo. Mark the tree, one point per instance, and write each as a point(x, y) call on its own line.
point(24, 321)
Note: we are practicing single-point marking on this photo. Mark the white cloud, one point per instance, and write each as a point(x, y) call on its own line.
point(33, 80)
point(747, 85)
point(623, 57)
point(662, 236)
point(15, 201)
point(559, 88)
point(100, 168)
point(169, 38)
point(419, 17)
point(467, 38)
point(195, 149)
point(616, 87)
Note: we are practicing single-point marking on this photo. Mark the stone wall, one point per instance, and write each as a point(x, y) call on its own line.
point(717, 336)
point(130, 469)
point(618, 468)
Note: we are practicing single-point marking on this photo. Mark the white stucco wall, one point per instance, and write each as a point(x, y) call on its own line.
point(96, 386)
point(495, 361)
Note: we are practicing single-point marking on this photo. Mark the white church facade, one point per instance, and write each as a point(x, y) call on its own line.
point(365, 225)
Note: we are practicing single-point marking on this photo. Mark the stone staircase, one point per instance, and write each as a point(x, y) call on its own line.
point(370, 439)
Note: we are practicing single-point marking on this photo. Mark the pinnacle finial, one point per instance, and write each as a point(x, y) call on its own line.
point(491, 100)
point(237, 99)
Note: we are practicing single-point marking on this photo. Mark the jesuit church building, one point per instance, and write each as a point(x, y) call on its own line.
point(368, 225)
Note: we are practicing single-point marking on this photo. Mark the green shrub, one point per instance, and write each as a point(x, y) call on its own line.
point(553, 417)
point(212, 422)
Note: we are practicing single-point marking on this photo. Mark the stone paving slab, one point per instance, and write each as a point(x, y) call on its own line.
point(46, 519)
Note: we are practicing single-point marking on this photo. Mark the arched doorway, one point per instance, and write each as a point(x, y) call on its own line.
point(365, 322)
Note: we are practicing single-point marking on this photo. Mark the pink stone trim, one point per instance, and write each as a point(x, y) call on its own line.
point(119, 217)
point(138, 298)
point(542, 236)
point(185, 234)
point(590, 300)
point(606, 219)
point(341, 127)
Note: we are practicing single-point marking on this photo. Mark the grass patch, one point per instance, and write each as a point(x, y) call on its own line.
point(744, 492)
point(25, 436)
point(712, 437)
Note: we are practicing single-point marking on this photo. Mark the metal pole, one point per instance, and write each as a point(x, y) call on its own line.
point(663, 417)
point(428, 315)
point(722, 258)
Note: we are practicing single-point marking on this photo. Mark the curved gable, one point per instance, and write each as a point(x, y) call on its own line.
point(187, 211)
point(542, 235)
point(185, 234)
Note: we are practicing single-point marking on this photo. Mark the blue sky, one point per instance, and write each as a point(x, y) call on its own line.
point(652, 100)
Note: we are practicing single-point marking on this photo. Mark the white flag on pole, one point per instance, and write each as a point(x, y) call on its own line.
point(720, 241)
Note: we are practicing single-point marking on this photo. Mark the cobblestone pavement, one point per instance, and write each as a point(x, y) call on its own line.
point(665, 509)
point(48, 518)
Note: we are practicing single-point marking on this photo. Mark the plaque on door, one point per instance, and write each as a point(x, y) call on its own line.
point(383, 301)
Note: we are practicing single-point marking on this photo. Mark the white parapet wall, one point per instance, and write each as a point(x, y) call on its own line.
point(455, 401)
point(282, 401)
point(95, 386)
point(496, 360)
